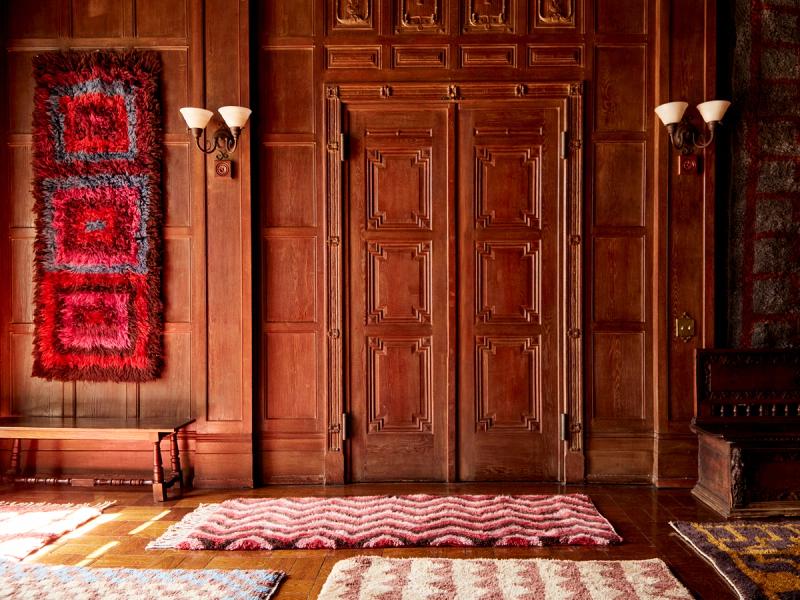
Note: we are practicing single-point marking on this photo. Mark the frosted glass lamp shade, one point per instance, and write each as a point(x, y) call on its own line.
point(713, 110)
point(671, 112)
point(196, 118)
point(234, 116)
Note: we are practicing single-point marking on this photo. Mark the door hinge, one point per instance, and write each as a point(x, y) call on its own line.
point(342, 148)
point(564, 429)
point(344, 426)
point(564, 141)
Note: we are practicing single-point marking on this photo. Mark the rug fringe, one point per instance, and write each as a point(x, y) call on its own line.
point(178, 532)
point(278, 582)
point(101, 506)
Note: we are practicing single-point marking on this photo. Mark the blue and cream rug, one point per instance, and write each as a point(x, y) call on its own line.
point(43, 582)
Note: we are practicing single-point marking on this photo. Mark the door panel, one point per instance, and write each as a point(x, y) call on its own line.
point(509, 292)
point(399, 246)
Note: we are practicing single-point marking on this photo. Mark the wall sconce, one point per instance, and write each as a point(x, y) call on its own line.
point(683, 135)
point(225, 138)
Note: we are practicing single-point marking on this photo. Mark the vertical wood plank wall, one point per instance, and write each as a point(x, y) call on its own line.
point(246, 348)
point(222, 402)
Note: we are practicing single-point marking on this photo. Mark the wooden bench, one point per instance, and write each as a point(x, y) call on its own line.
point(57, 428)
point(748, 429)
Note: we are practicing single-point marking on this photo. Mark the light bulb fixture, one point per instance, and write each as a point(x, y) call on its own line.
point(684, 135)
point(225, 138)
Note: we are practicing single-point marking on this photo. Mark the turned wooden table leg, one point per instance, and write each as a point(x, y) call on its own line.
point(159, 491)
point(13, 467)
point(176, 460)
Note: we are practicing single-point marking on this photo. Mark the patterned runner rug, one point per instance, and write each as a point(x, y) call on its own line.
point(759, 559)
point(26, 527)
point(372, 577)
point(384, 521)
point(42, 582)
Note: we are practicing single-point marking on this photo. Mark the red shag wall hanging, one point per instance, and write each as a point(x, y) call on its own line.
point(97, 167)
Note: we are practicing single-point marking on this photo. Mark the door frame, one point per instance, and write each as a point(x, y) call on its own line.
point(571, 345)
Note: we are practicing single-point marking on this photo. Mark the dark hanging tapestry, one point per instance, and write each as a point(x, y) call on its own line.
point(764, 246)
point(97, 165)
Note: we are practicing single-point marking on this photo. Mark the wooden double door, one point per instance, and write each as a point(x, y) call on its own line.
point(454, 218)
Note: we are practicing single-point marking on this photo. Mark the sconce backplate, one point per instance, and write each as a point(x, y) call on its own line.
point(222, 168)
point(688, 164)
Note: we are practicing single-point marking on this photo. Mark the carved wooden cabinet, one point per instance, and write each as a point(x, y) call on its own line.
point(748, 427)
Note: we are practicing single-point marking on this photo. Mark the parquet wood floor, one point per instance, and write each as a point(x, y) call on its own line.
point(118, 538)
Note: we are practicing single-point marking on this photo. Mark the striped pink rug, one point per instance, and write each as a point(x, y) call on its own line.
point(385, 521)
point(27, 526)
point(374, 578)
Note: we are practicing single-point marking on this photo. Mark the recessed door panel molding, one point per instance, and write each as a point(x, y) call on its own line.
point(507, 368)
point(397, 171)
point(399, 385)
point(420, 16)
point(516, 170)
point(509, 281)
point(399, 282)
point(398, 183)
point(513, 152)
point(511, 371)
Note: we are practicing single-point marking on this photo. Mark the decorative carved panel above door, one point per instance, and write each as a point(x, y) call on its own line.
point(420, 16)
point(352, 14)
point(489, 15)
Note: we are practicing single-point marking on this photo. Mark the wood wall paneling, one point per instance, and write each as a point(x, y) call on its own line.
point(286, 18)
point(540, 55)
point(284, 75)
point(229, 403)
point(619, 362)
point(621, 72)
point(688, 51)
point(410, 57)
point(39, 20)
point(101, 18)
point(290, 265)
point(421, 16)
point(620, 343)
point(619, 284)
point(172, 28)
point(290, 415)
point(547, 16)
point(630, 53)
point(291, 361)
point(620, 184)
point(621, 16)
point(288, 190)
point(162, 18)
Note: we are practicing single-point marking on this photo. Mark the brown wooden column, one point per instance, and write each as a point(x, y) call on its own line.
point(686, 63)
point(224, 439)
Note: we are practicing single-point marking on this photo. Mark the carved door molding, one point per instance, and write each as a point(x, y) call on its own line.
point(570, 103)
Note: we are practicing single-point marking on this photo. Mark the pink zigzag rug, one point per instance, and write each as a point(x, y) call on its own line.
point(390, 521)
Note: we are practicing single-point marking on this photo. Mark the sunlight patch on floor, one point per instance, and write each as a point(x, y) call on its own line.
point(147, 524)
point(96, 553)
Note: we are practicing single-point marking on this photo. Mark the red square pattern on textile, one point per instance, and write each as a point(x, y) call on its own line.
point(92, 320)
point(88, 320)
point(95, 123)
point(96, 226)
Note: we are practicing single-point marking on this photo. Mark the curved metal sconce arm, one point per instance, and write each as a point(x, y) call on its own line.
point(224, 141)
point(685, 139)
